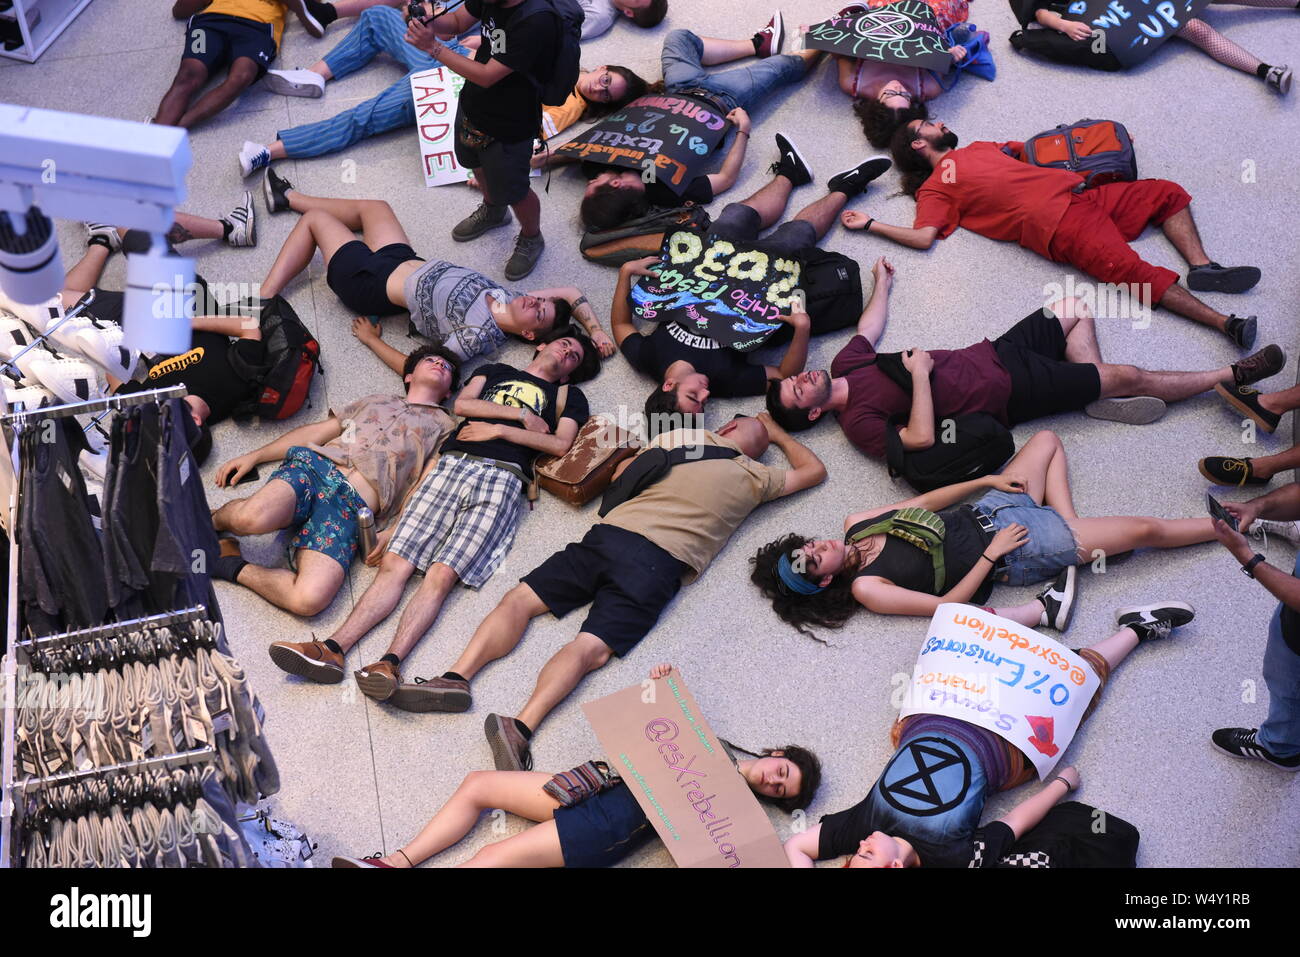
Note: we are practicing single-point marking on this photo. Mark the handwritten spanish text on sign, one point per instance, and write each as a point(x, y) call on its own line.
point(1134, 29)
point(905, 32)
point(992, 672)
point(435, 93)
point(729, 292)
point(662, 136)
point(657, 740)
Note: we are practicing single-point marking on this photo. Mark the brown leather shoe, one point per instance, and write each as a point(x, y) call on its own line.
point(379, 680)
point(509, 749)
point(308, 659)
point(228, 546)
point(435, 694)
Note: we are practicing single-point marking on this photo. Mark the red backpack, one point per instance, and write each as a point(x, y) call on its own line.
point(283, 379)
point(1101, 151)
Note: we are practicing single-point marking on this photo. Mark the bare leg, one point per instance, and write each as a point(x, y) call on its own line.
point(1041, 464)
point(561, 675)
point(1269, 465)
point(377, 602)
point(1182, 303)
point(190, 78)
point(724, 51)
point(823, 213)
point(1182, 232)
point(536, 847)
point(316, 229)
point(307, 592)
point(529, 213)
point(422, 610)
point(1119, 534)
point(374, 218)
point(1080, 330)
point(770, 201)
point(82, 277)
point(1117, 647)
point(197, 227)
point(276, 149)
point(269, 509)
point(1284, 401)
point(500, 631)
point(241, 76)
point(1028, 614)
point(1170, 386)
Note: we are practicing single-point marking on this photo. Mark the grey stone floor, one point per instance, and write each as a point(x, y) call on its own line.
point(361, 777)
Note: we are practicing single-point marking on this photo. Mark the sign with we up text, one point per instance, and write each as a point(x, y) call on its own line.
point(436, 93)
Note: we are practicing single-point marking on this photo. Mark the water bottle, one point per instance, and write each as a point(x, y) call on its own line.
point(366, 530)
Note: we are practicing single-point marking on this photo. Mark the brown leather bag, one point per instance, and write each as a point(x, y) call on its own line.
point(585, 471)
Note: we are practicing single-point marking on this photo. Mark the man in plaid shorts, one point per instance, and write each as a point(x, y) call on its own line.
point(461, 520)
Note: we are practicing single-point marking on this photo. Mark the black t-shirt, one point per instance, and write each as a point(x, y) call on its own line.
point(517, 389)
point(908, 566)
point(730, 373)
point(698, 191)
point(205, 371)
point(511, 109)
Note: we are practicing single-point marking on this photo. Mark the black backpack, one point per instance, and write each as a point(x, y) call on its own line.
point(980, 446)
point(832, 286)
point(291, 355)
point(558, 87)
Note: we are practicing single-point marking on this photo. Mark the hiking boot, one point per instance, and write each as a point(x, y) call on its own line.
point(768, 41)
point(1155, 620)
point(1261, 365)
point(528, 249)
point(509, 749)
point(1215, 278)
point(1058, 600)
point(852, 182)
point(1241, 330)
point(379, 680)
point(252, 157)
point(433, 694)
point(1264, 527)
point(791, 165)
point(1246, 401)
point(477, 223)
point(243, 223)
point(1279, 78)
point(295, 83)
point(1131, 410)
point(308, 659)
point(1244, 743)
point(275, 190)
point(1226, 470)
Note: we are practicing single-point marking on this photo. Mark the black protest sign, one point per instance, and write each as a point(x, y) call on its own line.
point(731, 292)
point(905, 32)
point(665, 138)
point(1133, 29)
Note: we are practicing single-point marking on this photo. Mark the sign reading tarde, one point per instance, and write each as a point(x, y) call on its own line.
point(436, 93)
point(681, 776)
point(990, 671)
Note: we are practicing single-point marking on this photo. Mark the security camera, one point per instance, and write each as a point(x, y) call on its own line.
point(30, 268)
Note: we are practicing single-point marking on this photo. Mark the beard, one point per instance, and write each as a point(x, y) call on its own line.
point(948, 141)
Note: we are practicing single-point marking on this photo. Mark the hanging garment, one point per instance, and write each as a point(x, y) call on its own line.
point(186, 544)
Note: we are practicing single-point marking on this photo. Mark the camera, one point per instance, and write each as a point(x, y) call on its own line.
point(29, 256)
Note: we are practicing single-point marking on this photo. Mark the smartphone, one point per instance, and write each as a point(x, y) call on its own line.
point(252, 475)
point(1218, 511)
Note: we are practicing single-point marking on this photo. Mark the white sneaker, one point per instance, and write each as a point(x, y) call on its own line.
point(109, 233)
point(1263, 527)
point(15, 336)
point(94, 463)
point(27, 399)
point(39, 317)
point(71, 380)
point(243, 223)
point(102, 345)
point(295, 83)
point(252, 157)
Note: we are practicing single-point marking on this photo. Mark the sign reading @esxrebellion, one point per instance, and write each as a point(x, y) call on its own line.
point(905, 32)
point(664, 137)
point(731, 292)
point(990, 671)
point(436, 93)
point(656, 739)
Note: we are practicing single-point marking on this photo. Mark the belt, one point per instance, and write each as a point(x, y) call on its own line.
point(510, 467)
point(985, 521)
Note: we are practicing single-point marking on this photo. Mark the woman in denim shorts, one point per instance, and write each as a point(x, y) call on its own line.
point(1023, 530)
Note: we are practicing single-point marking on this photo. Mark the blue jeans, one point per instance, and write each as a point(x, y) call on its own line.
point(379, 30)
point(1051, 547)
point(744, 86)
point(1280, 732)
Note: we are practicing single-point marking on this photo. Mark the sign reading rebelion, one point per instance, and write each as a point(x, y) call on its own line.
point(436, 93)
point(656, 739)
point(663, 137)
point(905, 32)
point(990, 671)
point(729, 292)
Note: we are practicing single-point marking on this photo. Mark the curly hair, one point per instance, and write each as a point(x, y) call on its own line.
point(829, 608)
point(879, 122)
point(913, 168)
point(424, 352)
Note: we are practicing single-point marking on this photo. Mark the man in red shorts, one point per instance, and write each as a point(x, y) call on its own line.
point(989, 188)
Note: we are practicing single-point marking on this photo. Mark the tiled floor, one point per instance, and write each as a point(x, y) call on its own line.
point(361, 778)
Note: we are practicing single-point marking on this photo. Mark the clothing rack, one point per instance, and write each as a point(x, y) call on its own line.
point(91, 406)
point(115, 628)
point(9, 367)
point(164, 761)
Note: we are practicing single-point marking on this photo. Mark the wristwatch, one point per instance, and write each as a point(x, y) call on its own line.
point(1248, 569)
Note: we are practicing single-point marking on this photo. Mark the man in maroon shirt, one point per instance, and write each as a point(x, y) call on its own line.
point(989, 189)
point(1047, 363)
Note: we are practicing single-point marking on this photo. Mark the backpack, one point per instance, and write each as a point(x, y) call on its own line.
point(283, 379)
point(980, 446)
point(653, 465)
point(1101, 151)
point(640, 237)
point(1057, 47)
point(556, 89)
point(916, 526)
point(832, 287)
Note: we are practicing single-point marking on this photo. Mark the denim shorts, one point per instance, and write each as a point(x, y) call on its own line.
point(1051, 548)
point(326, 504)
point(603, 829)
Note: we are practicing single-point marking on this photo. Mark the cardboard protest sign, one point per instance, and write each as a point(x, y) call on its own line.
point(989, 671)
point(657, 740)
point(905, 32)
point(436, 93)
point(1134, 29)
point(666, 138)
point(729, 292)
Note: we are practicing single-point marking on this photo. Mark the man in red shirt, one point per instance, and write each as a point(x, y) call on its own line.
point(989, 188)
point(1046, 364)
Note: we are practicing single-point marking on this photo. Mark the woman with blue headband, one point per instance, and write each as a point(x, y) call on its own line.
point(910, 557)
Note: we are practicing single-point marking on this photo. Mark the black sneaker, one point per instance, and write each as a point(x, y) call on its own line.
point(1246, 401)
point(1215, 278)
point(274, 190)
point(1244, 743)
point(1226, 470)
point(791, 165)
point(1263, 364)
point(1241, 330)
point(1058, 600)
point(851, 182)
point(1155, 620)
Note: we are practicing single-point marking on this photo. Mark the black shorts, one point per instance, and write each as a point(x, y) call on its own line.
point(742, 224)
point(359, 276)
point(217, 40)
point(1042, 382)
point(505, 167)
point(628, 579)
point(603, 829)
